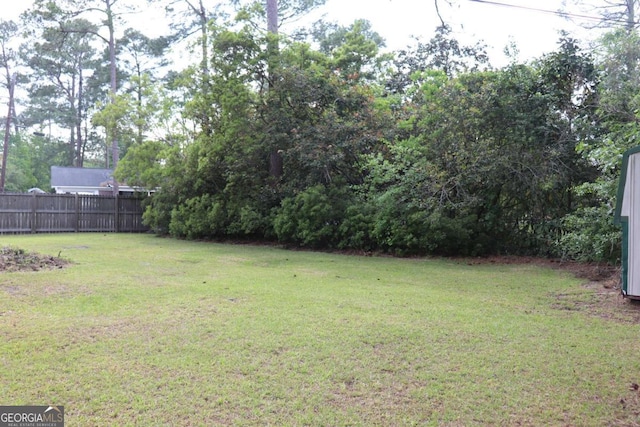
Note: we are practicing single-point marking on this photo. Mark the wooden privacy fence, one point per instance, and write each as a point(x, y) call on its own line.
point(54, 213)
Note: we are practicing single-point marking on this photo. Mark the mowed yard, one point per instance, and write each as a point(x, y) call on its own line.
point(145, 331)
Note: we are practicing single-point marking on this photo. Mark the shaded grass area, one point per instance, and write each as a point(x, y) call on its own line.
point(145, 331)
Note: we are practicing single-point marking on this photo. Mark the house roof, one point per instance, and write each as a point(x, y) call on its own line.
point(80, 177)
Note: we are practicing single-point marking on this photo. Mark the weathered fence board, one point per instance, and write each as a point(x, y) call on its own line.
point(54, 213)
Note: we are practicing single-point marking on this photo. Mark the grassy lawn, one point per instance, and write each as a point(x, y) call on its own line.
point(146, 331)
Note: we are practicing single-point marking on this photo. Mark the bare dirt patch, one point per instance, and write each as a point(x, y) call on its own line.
point(15, 259)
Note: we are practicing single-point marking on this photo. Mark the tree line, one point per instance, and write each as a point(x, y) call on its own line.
point(320, 138)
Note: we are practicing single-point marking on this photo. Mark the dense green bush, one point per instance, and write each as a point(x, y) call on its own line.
point(312, 218)
point(356, 228)
point(399, 225)
point(198, 217)
point(590, 235)
point(451, 164)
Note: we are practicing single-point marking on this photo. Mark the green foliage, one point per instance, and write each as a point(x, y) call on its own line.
point(60, 93)
point(313, 217)
point(252, 220)
point(355, 49)
point(303, 112)
point(19, 175)
point(589, 233)
point(408, 207)
point(355, 230)
point(175, 184)
point(443, 53)
point(474, 164)
point(30, 159)
point(112, 117)
point(142, 165)
point(270, 138)
point(486, 161)
point(197, 217)
point(399, 225)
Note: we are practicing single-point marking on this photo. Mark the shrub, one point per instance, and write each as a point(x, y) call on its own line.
point(312, 218)
point(355, 230)
point(198, 217)
point(590, 235)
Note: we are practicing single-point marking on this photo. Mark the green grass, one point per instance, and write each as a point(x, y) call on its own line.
point(147, 331)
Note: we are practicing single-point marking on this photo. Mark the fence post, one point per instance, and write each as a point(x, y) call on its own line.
point(117, 218)
point(77, 214)
point(34, 218)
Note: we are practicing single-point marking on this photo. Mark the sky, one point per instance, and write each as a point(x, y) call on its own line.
point(397, 21)
point(535, 33)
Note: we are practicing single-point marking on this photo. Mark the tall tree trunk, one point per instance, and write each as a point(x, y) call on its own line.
point(272, 16)
point(204, 64)
point(14, 115)
point(71, 146)
point(631, 15)
point(204, 31)
point(272, 41)
point(140, 126)
point(275, 158)
point(115, 151)
point(11, 80)
point(78, 148)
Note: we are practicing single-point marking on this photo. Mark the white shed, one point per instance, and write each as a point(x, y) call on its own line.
point(627, 214)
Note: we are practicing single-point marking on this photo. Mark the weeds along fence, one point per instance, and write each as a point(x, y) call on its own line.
point(56, 213)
